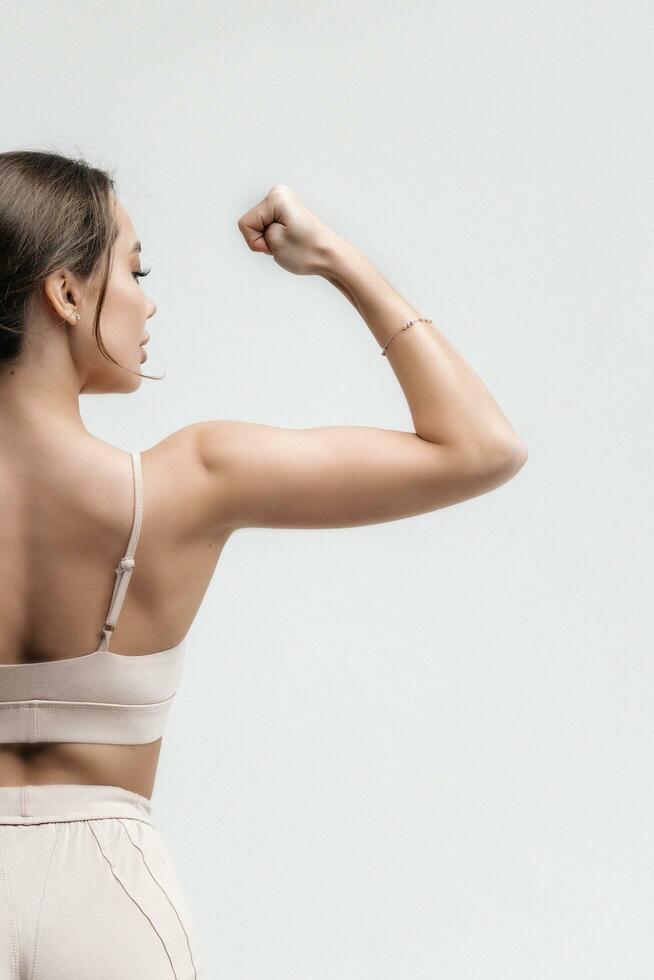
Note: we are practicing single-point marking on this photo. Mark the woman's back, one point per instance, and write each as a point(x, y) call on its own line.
point(68, 508)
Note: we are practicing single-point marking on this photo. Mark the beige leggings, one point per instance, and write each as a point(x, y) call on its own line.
point(88, 889)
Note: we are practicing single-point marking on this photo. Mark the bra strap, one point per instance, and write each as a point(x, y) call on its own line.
point(126, 564)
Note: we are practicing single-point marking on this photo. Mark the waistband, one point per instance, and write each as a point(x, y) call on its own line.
point(70, 801)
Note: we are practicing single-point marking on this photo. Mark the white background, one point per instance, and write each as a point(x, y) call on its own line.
point(421, 749)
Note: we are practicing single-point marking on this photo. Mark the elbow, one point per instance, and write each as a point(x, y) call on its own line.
point(509, 457)
point(500, 457)
point(491, 462)
point(517, 454)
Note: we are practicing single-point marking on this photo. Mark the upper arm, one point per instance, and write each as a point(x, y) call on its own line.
point(338, 476)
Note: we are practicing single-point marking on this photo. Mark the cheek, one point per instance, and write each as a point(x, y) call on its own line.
point(122, 321)
point(129, 307)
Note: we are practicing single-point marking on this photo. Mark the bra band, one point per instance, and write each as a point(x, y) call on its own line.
point(126, 564)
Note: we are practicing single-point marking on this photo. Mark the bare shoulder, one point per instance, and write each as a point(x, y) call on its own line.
point(177, 467)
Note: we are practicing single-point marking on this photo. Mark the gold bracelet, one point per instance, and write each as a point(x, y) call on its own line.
point(409, 323)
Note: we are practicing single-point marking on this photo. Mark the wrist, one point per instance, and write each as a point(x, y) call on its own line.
point(335, 256)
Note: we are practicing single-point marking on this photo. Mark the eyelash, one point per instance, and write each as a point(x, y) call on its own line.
point(142, 272)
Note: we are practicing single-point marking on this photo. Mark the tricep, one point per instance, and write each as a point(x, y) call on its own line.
point(339, 476)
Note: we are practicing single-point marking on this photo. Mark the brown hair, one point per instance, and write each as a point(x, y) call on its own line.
point(55, 211)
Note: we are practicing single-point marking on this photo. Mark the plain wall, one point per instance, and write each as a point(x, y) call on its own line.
point(421, 749)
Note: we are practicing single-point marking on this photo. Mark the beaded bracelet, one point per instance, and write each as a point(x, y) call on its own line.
point(409, 323)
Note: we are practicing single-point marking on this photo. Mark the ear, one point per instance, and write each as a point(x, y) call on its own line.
point(63, 294)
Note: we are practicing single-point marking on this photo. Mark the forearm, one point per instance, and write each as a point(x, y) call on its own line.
point(449, 403)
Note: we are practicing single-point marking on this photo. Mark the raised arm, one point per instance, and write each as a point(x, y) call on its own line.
point(340, 476)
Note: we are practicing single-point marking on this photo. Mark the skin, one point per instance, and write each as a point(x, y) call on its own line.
point(66, 496)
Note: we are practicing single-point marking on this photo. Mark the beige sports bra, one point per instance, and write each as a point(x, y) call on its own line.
point(101, 696)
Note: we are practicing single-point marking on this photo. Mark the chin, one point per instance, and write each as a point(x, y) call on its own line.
point(122, 382)
point(133, 383)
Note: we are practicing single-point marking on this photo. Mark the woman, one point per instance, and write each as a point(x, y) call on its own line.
point(87, 883)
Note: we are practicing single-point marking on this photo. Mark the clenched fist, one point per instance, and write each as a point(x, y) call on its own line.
point(282, 226)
